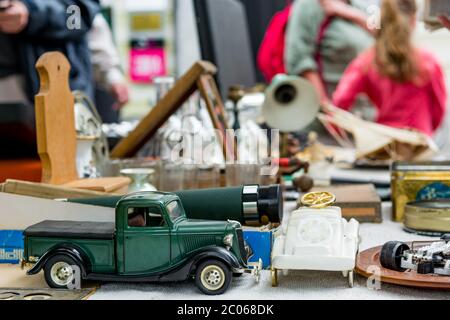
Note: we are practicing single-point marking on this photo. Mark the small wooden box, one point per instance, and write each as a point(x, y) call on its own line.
point(418, 181)
point(358, 201)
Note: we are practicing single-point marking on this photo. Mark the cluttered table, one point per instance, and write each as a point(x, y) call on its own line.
point(295, 286)
point(326, 166)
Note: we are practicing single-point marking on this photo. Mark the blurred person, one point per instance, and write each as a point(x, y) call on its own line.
point(323, 37)
point(445, 21)
point(28, 29)
point(405, 83)
point(109, 77)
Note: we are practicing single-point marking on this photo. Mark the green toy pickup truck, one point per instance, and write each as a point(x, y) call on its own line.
point(151, 241)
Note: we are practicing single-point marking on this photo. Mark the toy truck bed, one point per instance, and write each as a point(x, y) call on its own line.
point(94, 238)
point(72, 229)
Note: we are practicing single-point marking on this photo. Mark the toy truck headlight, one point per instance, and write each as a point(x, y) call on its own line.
point(228, 240)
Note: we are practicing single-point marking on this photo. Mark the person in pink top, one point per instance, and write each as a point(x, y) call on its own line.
point(406, 84)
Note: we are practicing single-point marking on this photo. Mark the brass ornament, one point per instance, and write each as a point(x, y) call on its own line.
point(318, 200)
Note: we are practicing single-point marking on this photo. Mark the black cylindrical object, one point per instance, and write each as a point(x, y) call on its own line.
point(251, 204)
point(247, 204)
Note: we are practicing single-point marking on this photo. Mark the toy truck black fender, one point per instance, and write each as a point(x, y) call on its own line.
point(181, 273)
point(218, 253)
point(65, 250)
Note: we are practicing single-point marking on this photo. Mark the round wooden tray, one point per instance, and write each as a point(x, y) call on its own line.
point(371, 258)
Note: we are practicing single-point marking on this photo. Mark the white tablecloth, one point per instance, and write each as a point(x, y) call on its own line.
point(297, 285)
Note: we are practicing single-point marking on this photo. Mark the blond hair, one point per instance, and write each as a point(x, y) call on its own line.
point(395, 54)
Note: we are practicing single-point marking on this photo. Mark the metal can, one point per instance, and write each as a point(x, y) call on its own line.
point(413, 181)
point(428, 216)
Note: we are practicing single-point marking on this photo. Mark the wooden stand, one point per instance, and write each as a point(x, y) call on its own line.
point(55, 126)
point(55, 120)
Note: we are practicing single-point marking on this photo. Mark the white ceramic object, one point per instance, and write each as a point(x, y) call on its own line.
point(140, 179)
point(316, 239)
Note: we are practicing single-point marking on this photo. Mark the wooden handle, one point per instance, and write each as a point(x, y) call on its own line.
point(55, 120)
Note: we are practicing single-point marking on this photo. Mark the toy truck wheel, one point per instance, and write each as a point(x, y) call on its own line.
point(391, 255)
point(60, 272)
point(213, 277)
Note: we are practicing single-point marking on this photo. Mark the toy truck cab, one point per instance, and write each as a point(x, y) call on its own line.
point(152, 240)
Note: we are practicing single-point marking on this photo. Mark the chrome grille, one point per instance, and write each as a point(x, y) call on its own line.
point(240, 238)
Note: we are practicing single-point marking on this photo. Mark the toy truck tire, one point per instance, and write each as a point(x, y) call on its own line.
point(213, 277)
point(60, 272)
point(390, 255)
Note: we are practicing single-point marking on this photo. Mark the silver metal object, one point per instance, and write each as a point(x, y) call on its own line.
point(61, 273)
point(253, 189)
point(256, 269)
point(88, 125)
point(250, 204)
point(437, 253)
point(212, 277)
point(250, 208)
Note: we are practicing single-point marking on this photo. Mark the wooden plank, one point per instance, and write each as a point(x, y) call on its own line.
point(113, 184)
point(47, 191)
point(55, 120)
point(168, 105)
